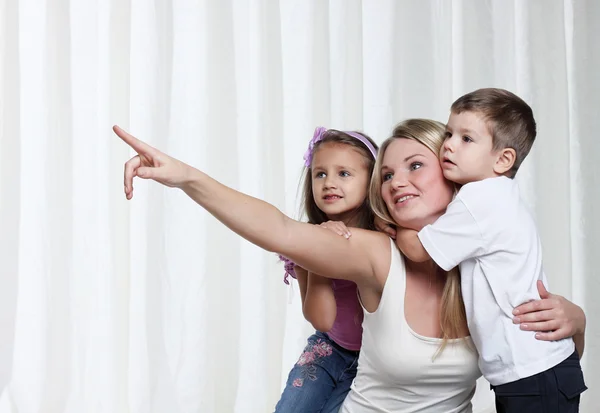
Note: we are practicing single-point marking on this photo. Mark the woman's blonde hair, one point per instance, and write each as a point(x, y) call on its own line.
point(430, 133)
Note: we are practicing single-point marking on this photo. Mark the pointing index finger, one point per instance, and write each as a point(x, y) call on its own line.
point(139, 146)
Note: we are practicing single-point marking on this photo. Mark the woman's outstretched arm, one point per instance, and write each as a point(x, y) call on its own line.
point(318, 251)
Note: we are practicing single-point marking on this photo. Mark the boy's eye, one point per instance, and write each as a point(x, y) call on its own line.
point(467, 139)
point(387, 176)
point(415, 165)
point(344, 173)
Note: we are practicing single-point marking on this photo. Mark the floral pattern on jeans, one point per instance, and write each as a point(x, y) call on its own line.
point(310, 358)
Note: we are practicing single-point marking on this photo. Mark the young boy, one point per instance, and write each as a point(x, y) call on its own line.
point(488, 231)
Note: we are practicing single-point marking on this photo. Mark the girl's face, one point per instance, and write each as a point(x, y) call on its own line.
point(340, 179)
point(413, 186)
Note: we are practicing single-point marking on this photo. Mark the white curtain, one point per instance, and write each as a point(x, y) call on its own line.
point(153, 306)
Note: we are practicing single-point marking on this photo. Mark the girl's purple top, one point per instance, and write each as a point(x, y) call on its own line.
point(347, 328)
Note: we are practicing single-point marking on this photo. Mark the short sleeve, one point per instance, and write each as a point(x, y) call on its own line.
point(454, 237)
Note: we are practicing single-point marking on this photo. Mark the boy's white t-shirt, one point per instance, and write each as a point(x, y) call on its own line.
point(488, 230)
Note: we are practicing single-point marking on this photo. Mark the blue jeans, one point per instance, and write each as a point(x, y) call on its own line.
point(321, 379)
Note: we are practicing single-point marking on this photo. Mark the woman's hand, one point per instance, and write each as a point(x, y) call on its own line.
point(150, 163)
point(386, 228)
point(553, 317)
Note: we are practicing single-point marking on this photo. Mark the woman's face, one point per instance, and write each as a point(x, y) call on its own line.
point(413, 186)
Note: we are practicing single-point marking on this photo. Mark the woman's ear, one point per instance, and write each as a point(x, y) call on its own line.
point(505, 160)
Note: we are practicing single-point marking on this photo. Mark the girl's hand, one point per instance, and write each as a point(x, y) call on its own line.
point(386, 228)
point(554, 317)
point(337, 227)
point(150, 163)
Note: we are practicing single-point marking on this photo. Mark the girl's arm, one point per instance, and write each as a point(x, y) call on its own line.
point(320, 307)
point(302, 278)
point(554, 317)
point(358, 259)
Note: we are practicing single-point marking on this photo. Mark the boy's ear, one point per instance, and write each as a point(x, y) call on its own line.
point(506, 159)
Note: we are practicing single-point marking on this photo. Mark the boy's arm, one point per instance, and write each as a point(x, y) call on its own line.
point(453, 237)
point(408, 242)
point(319, 304)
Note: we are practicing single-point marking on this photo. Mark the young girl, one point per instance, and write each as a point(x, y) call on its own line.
point(338, 169)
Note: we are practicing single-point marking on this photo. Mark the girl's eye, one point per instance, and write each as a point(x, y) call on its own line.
point(447, 135)
point(387, 176)
point(344, 173)
point(415, 165)
point(320, 175)
point(467, 139)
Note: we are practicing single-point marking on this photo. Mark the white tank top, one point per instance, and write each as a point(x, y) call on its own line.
point(397, 371)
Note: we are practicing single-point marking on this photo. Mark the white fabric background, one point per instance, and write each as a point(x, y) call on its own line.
point(152, 305)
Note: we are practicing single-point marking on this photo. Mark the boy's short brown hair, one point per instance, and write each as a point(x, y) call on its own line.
point(509, 119)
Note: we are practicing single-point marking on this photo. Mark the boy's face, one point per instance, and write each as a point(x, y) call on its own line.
point(467, 155)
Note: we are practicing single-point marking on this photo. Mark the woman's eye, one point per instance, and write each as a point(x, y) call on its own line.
point(387, 177)
point(415, 165)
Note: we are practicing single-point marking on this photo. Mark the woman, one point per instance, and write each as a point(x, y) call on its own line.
point(416, 355)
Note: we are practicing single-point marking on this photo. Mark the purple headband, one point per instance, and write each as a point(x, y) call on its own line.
point(318, 135)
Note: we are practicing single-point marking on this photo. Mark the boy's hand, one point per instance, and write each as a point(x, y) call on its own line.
point(337, 227)
point(383, 226)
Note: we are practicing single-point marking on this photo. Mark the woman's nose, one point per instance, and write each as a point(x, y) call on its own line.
point(399, 180)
